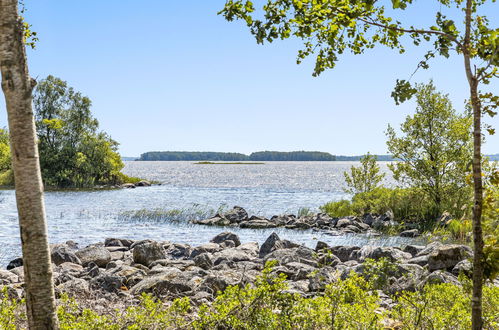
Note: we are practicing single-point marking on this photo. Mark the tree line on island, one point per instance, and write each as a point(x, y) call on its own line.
point(255, 156)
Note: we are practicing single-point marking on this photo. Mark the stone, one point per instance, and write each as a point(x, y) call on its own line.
point(413, 249)
point(464, 266)
point(226, 236)
point(62, 253)
point(77, 287)
point(143, 183)
point(145, 254)
point(128, 186)
point(448, 256)
point(232, 255)
point(345, 253)
point(208, 247)
point(107, 282)
point(300, 254)
point(94, 253)
point(272, 243)
point(236, 215)
point(7, 277)
point(18, 262)
point(178, 251)
point(421, 260)
point(410, 233)
point(391, 253)
point(219, 280)
point(215, 221)
point(204, 260)
point(342, 223)
point(257, 224)
point(170, 281)
point(118, 242)
point(439, 277)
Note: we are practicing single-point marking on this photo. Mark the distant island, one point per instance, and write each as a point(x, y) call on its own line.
point(255, 156)
point(259, 156)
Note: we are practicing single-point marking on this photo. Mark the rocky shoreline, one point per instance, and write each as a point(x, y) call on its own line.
point(122, 269)
point(370, 223)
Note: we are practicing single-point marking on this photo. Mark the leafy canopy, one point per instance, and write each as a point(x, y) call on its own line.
point(329, 28)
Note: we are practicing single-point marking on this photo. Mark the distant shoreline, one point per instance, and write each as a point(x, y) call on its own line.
point(228, 163)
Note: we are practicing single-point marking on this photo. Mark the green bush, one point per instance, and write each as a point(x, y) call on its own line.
point(407, 205)
point(352, 303)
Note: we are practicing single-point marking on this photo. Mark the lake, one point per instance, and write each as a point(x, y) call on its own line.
point(198, 190)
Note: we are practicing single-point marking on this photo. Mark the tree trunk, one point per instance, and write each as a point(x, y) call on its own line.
point(17, 87)
point(476, 299)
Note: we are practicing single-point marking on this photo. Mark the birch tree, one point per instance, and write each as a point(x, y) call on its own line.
point(17, 87)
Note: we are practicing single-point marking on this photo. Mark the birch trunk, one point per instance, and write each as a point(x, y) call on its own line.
point(476, 299)
point(17, 87)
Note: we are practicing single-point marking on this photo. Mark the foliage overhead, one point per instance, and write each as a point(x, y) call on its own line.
point(329, 28)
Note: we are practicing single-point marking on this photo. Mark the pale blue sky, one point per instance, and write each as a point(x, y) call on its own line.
point(172, 75)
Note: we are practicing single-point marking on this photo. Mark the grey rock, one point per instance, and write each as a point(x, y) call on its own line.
point(258, 224)
point(272, 243)
point(204, 261)
point(226, 236)
point(438, 277)
point(171, 281)
point(178, 251)
point(205, 248)
point(18, 262)
point(76, 287)
point(145, 254)
point(448, 256)
point(345, 253)
point(236, 215)
point(94, 253)
point(421, 260)
point(410, 233)
point(464, 266)
point(300, 254)
point(391, 253)
point(7, 277)
point(143, 183)
point(413, 249)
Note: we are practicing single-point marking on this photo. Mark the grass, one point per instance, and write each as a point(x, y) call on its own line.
point(228, 163)
point(195, 212)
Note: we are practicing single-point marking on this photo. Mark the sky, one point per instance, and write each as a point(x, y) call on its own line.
point(174, 75)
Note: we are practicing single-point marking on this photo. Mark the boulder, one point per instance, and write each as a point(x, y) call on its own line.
point(215, 221)
point(143, 183)
point(61, 254)
point(232, 255)
point(391, 253)
point(272, 243)
point(7, 277)
point(76, 287)
point(448, 256)
point(178, 251)
point(107, 282)
point(145, 254)
point(258, 224)
point(345, 253)
point(464, 266)
point(118, 242)
point(300, 254)
point(413, 249)
point(171, 280)
point(226, 236)
point(94, 253)
point(219, 280)
point(205, 248)
point(421, 260)
point(410, 233)
point(204, 260)
point(236, 215)
point(438, 277)
point(18, 262)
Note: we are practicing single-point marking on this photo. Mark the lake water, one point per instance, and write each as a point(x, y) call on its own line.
point(199, 190)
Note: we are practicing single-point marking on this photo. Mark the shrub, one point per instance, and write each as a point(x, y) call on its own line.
point(364, 178)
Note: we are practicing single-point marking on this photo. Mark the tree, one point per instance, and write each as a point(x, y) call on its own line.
point(434, 150)
point(364, 178)
point(328, 28)
point(73, 153)
point(17, 87)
